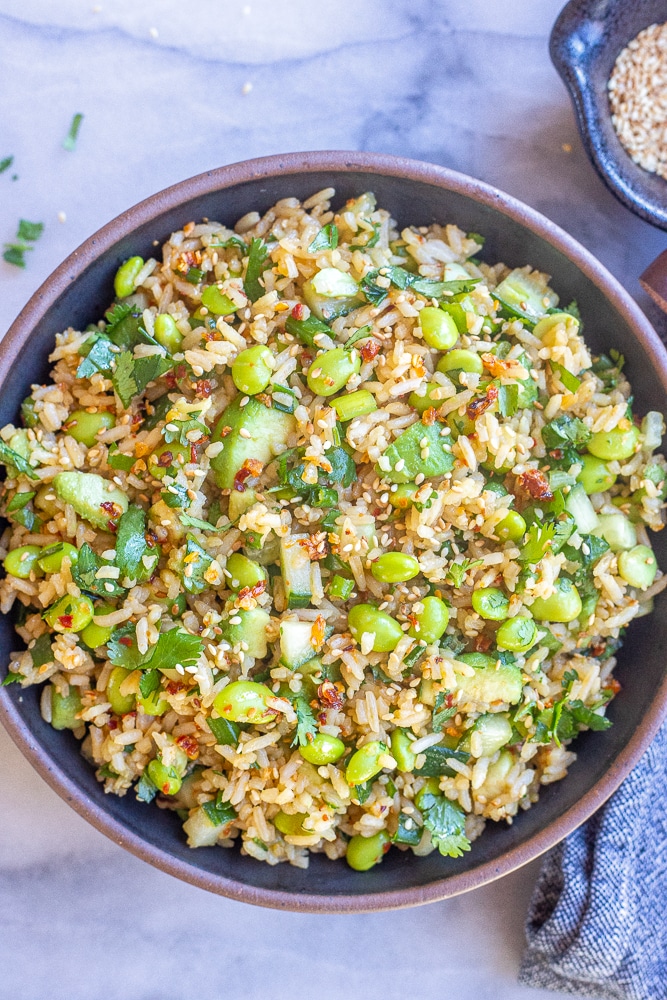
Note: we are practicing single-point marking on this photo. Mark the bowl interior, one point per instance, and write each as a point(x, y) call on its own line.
point(585, 43)
point(401, 879)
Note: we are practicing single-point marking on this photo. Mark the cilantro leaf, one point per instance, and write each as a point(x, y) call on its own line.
point(10, 457)
point(326, 239)
point(173, 647)
point(436, 758)
point(219, 812)
point(306, 725)
point(457, 571)
point(99, 359)
point(446, 821)
point(30, 231)
point(14, 254)
point(565, 430)
point(195, 564)
point(11, 678)
point(41, 651)
point(6, 163)
point(226, 732)
point(145, 789)
point(257, 264)
point(440, 714)
point(149, 682)
point(508, 399)
point(176, 496)
point(306, 330)
point(19, 500)
point(196, 522)
point(84, 574)
point(363, 333)
point(123, 379)
point(570, 381)
point(69, 142)
point(407, 831)
point(131, 545)
point(233, 241)
point(363, 792)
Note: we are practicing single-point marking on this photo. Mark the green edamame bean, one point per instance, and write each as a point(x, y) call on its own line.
point(216, 301)
point(512, 527)
point(460, 424)
point(125, 281)
point(430, 790)
point(365, 852)
point(167, 456)
point(64, 709)
point(438, 328)
point(323, 749)
point(245, 701)
point(332, 370)
point(51, 558)
point(153, 704)
point(95, 635)
point(516, 634)
point(23, 561)
point(290, 824)
point(386, 630)
point(166, 779)
point(167, 334)
point(595, 476)
point(252, 369)
point(365, 762)
point(354, 404)
point(84, 426)
point(617, 444)
point(245, 572)
point(638, 567)
point(400, 750)
point(431, 398)
point(120, 703)
point(70, 614)
point(431, 621)
point(461, 360)
point(395, 567)
point(402, 497)
point(564, 605)
point(491, 603)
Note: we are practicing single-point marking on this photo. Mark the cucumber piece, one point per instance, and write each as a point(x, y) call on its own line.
point(296, 645)
point(64, 710)
point(491, 681)
point(455, 272)
point(407, 449)
point(524, 297)
point(93, 498)
point(495, 731)
point(331, 293)
point(267, 428)
point(580, 507)
point(295, 569)
point(239, 503)
point(619, 533)
point(250, 630)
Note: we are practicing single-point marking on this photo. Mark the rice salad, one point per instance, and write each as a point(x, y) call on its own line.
point(326, 536)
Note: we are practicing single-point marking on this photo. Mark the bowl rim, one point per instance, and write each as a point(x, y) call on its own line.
point(589, 109)
point(267, 167)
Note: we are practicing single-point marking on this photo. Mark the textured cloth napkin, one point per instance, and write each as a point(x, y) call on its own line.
point(597, 924)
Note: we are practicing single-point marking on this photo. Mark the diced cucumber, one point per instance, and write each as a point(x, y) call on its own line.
point(455, 272)
point(617, 531)
point(580, 507)
point(296, 646)
point(64, 710)
point(653, 428)
point(331, 293)
point(266, 428)
point(239, 503)
point(295, 568)
point(251, 630)
point(496, 777)
point(200, 831)
point(495, 730)
point(491, 682)
point(553, 320)
point(523, 296)
point(92, 497)
point(418, 449)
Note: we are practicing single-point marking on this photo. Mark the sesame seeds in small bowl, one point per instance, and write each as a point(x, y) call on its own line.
point(612, 56)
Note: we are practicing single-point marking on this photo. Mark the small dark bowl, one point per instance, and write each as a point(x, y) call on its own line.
point(78, 291)
point(585, 43)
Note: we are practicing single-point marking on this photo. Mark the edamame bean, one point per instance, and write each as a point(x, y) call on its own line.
point(395, 567)
point(438, 328)
point(323, 749)
point(595, 476)
point(387, 633)
point(638, 567)
point(216, 301)
point(354, 404)
point(461, 360)
point(252, 369)
point(432, 620)
point(431, 398)
point(245, 572)
point(245, 701)
point(365, 852)
point(617, 444)
point(167, 333)
point(517, 634)
point(564, 605)
point(64, 709)
point(166, 779)
point(70, 614)
point(125, 281)
point(95, 635)
point(23, 561)
point(512, 527)
point(400, 750)
point(120, 703)
point(51, 558)
point(84, 426)
point(332, 370)
point(167, 456)
point(617, 531)
point(290, 824)
point(365, 762)
point(153, 704)
point(491, 603)
point(460, 424)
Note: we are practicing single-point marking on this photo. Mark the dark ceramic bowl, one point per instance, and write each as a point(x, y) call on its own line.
point(79, 290)
point(585, 43)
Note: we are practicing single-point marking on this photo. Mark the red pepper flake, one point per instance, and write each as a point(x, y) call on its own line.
point(251, 467)
point(479, 406)
point(111, 508)
point(125, 640)
point(331, 694)
point(203, 388)
point(254, 591)
point(173, 687)
point(535, 484)
point(188, 745)
point(66, 620)
point(614, 686)
point(369, 350)
point(298, 311)
point(483, 643)
point(429, 416)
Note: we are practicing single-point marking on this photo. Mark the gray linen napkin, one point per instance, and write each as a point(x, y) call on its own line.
point(597, 924)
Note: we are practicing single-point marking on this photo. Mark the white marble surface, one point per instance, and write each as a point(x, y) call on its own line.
point(169, 90)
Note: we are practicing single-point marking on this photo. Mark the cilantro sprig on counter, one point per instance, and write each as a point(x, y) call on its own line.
point(26, 234)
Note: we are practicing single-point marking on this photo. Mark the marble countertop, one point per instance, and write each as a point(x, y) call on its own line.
point(167, 91)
